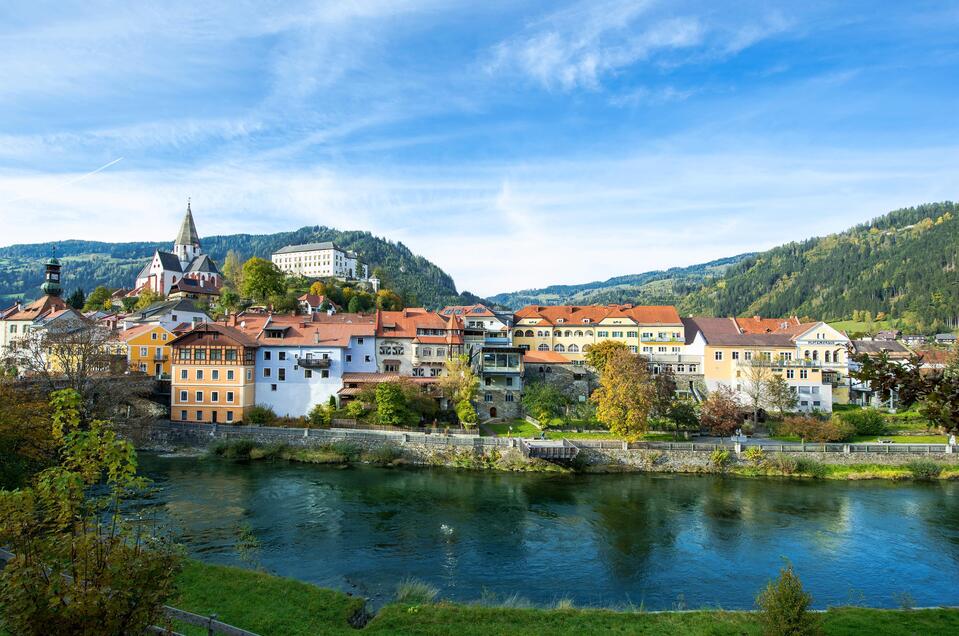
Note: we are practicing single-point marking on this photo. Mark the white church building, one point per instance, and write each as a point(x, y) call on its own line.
point(186, 261)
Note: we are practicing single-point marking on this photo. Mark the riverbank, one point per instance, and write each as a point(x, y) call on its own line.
point(755, 465)
point(295, 608)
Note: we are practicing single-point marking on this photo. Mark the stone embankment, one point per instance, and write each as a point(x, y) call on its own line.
point(497, 453)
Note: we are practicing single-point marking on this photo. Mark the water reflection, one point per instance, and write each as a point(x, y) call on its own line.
point(602, 539)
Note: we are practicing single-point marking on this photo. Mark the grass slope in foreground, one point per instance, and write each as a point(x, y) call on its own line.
point(272, 605)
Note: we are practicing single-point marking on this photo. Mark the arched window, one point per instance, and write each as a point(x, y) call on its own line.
point(573, 349)
point(806, 354)
point(560, 348)
point(589, 332)
point(519, 333)
point(579, 334)
point(835, 356)
point(543, 347)
point(815, 355)
point(569, 333)
point(557, 333)
point(828, 356)
point(529, 333)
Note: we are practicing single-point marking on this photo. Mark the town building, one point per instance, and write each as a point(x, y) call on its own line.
point(148, 348)
point(862, 393)
point(573, 380)
point(415, 342)
point(318, 260)
point(213, 379)
point(948, 339)
point(19, 320)
point(170, 314)
point(315, 304)
point(187, 260)
point(888, 334)
point(914, 340)
point(739, 352)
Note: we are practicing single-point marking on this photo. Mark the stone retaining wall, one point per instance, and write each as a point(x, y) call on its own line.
point(492, 452)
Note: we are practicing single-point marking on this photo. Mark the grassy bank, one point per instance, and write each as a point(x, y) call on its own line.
point(271, 605)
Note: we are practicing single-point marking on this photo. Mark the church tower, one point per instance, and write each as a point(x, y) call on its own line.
point(51, 278)
point(187, 244)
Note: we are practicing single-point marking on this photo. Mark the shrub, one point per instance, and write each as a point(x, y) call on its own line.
point(924, 469)
point(320, 415)
point(355, 409)
point(866, 421)
point(755, 455)
point(784, 607)
point(259, 414)
point(386, 454)
point(413, 592)
point(784, 464)
point(810, 467)
point(350, 451)
point(466, 413)
point(719, 458)
point(235, 449)
point(814, 429)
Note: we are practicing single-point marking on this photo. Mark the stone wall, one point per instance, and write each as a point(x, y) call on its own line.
point(496, 452)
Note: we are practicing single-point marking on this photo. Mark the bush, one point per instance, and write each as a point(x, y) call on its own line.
point(350, 451)
point(814, 429)
point(259, 414)
point(466, 413)
point(866, 421)
point(924, 469)
point(810, 467)
point(355, 409)
point(386, 454)
point(784, 607)
point(755, 455)
point(719, 458)
point(320, 415)
point(235, 449)
point(413, 592)
point(784, 464)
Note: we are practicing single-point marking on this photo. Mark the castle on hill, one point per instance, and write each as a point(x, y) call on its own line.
point(186, 270)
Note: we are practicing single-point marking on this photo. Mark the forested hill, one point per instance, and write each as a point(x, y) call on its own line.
point(89, 263)
point(902, 264)
point(664, 287)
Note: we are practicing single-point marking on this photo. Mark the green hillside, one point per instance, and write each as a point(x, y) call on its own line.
point(89, 263)
point(901, 265)
point(665, 287)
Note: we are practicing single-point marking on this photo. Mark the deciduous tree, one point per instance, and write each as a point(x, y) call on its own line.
point(261, 280)
point(625, 394)
point(598, 354)
point(721, 412)
point(543, 401)
point(780, 395)
point(97, 299)
point(460, 383)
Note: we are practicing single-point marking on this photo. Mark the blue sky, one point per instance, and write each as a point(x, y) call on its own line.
point(516, 144)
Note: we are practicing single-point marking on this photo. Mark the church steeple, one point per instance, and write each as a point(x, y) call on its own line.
point(187, 244)
point(51, 277)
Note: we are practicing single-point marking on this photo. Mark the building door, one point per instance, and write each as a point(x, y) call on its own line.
point(492, 411)
point(213, 415)
point(158, 369)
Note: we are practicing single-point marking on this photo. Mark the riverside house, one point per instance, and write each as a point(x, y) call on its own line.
point(213, 374)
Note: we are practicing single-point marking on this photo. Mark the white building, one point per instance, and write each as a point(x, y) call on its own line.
point(187, 260)
point(316, 260)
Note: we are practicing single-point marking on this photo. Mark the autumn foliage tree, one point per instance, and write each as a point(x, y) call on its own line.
point(721, 412)
point(625, 394)
point(598, 354)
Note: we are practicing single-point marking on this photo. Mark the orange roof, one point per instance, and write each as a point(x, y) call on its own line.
point(314, 300)
point(40, 307)
point(131, 333)
point(468, 311)
point(757, 324)
point(403, 324)
point(587, 314)
point(304, 330)
point(545, 357)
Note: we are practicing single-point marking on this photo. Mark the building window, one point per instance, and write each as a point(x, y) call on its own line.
point(183, 415)
point(661, 349)
point(281, 375)
point(214, 396)
point(630, 334)
point(183, 396)
point(718, 355)
point(633, 348)
point(307, 373)
point(543, 347)
point(366, 359)
point(488, 381)
point(602, 334)
point(281, 355)
point(803, 374)
point(735, 355)
point(692, 368)
point(324, 373)
point(349, 358)
point(487, 397)
point(229, 396)
point(199, 416)
point(229, 416)
point(509, 397)
point(199, 396)
point(199, 374)
point(790, 374)
point(359, 341)
point(215, 374)
point(143, 352)
point(647, 349)
point(273, 387)
point(249, 374)
point(390, 368)
point(560, 348)
point(509, 381)
point(267, 372)
point(267, 355)
point(617, 334)
point(183, 374)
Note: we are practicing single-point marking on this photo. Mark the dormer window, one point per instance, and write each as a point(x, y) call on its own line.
point(586, 320)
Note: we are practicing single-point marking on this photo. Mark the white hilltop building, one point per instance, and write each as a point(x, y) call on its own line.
point(186, 262)
point(318, 260)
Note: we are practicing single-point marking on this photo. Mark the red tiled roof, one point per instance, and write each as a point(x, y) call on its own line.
point(467, 311)
point(40, 307)
point(580, 314)
point(545, 357)
point(238, 336)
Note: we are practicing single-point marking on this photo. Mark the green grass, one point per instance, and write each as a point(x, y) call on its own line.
point(522, 428)
point(866, 439)
point(271, 605)
point(859, 326)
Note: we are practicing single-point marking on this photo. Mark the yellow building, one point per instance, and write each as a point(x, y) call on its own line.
point(654, 331)
point(148, 349)
point(212, 375)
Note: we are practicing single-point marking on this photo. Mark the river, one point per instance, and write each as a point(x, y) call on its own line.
point(660, 541)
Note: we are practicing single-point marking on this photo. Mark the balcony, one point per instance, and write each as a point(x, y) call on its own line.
point(672, 358)
point(314, 363)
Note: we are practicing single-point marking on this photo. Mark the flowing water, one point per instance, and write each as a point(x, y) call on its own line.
point(662, 542)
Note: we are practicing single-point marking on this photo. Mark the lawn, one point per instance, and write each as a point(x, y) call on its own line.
point(869, 439)
point(270, 605)
point(522, 428)
point(859, 326)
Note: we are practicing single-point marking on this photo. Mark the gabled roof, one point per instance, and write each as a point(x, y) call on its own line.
point(38, 308)
point(9, 311)
point(202, 263)
point(308, 247)
point(891, 347)
point(129, 334)
point(403, 324)
point(314, 300)
point(187, 234)
point(303, 330)
point(545, 357)
point(163, 307)
point(726, 332)
point(757, 324)
point(237, 336)
point(591, 314)
point(468, 311)
point(193, 286)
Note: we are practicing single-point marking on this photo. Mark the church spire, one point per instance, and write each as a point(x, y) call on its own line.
point(187, 234)
point(51, 277)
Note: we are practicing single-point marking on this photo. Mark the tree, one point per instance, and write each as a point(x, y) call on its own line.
point(625, 394)
point(285, 303)
point(784, 607)
point(721, 412)
point(76, 299)
point(26, 445)
point(229, 300)
point(391, 405)
point(466, 413)
point(388, 300)
point(261, 280)
point(780, 395)
point(886, 376)
point(682, 413)
point(98, 299)
point(120, 576)
point(941, 404)
point(664, 392)
point(758, 373)
point(232, 271)
point(355, 305)
point(460, 383)
point(318, 288)
point(146, 298)
point(543, 401)
point(128, 303)
point(598, 354)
